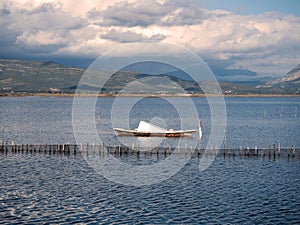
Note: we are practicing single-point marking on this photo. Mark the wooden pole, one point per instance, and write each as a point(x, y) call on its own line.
point(255, 151)
point(248, 151)
point(293, 150)
point(233, 150)
point(224, 142)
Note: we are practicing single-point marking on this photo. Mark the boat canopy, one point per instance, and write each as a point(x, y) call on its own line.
point(150, 128)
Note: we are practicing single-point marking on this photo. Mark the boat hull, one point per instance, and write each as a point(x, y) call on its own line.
point(123, 132)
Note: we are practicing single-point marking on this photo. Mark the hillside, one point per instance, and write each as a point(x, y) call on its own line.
point(20, 76)
point(37, 76)
point(289, 82)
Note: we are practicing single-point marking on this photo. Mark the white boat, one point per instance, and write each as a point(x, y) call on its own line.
point(147, 129)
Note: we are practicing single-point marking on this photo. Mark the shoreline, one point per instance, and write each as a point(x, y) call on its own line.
point(144, 95)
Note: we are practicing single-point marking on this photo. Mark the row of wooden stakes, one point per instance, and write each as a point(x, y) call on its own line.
point(270, 150)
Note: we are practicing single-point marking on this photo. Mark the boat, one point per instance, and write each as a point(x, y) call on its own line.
point(146, 129)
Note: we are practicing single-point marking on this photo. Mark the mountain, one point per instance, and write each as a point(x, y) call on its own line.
point(291, 77)
point(20, 76)
point(36, 76)
point(237, 76)
point(291, 81)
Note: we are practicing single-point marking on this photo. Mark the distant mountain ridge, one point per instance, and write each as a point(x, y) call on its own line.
point(36, 76)
point(21, 76)
point(291, 77)
point(290, 82)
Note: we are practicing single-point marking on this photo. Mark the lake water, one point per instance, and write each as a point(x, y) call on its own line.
point(47, 188)
point(250, 121)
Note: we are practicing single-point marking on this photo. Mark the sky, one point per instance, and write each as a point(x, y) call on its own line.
point(245, 7)
point(258, 35)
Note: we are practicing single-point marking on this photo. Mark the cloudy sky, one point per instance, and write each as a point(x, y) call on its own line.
point(258, 35)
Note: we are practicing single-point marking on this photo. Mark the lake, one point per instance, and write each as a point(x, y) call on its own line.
point(58, 188)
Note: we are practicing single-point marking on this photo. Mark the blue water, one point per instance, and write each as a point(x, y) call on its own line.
point(55, 188)
point(61, 189)
point(250, 121)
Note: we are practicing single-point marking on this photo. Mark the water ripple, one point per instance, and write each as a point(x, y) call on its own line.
point(67, 191)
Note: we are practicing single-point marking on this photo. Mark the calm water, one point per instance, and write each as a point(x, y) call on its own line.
point(43, 188)
point(250, 121)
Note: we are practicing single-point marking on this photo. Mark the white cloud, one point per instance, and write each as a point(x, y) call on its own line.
point(129, 36)
point(266, 43)
point(41, 41)
point(139, 13)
